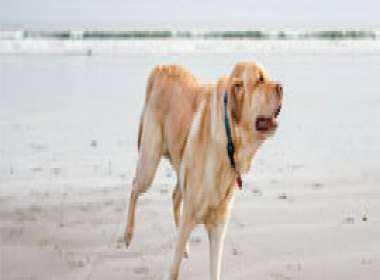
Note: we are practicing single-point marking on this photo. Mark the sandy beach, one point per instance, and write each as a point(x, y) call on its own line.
point(309, 208)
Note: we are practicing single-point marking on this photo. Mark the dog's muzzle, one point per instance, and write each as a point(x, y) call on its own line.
point(264, 124)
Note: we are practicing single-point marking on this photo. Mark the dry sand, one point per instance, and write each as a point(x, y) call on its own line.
point(310, 208)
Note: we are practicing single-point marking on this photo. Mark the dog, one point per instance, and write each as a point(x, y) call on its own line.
point(210, 134)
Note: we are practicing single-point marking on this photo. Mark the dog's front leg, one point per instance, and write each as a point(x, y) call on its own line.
point(187, 224)
point(216, 233)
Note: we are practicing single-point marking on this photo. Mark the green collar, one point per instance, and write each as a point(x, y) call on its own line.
point(230, 143)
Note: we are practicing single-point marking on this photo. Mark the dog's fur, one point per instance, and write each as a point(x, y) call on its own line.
point(183, 121)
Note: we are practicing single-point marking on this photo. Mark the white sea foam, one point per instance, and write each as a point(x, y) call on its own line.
point(90, 47)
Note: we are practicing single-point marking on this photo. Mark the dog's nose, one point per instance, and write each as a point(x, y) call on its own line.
point(279, 89)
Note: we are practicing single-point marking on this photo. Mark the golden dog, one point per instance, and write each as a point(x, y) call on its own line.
point(210, 134)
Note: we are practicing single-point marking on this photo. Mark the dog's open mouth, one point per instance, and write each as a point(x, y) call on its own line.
point(265, 124)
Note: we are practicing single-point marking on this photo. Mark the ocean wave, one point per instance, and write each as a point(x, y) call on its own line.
point(346, 34)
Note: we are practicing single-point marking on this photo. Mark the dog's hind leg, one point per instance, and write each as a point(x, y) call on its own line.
point(131, 218)
point(177, 199)
point(149, 157)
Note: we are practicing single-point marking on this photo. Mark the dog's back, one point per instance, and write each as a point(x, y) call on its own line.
point(168, 76)
point(171, 86)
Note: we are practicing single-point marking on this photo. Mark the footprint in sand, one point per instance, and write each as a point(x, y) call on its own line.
point(168, 173)
point(84, 208)
point(317, 186)
point(195, 240)
point(43, 243)
point(349, 220)
point(13, 233)
point(93, 143)
point(257, 192)
point(36, 169)
point(141, 270)
point(77, 263)
point(280, 276)
point(56, 170)
point(236, 252)
point(108, 202)
point(294, 267)
point(25, 217)
point(366, 261)
point(283, 196)
point(35, 208)
point(37, 147)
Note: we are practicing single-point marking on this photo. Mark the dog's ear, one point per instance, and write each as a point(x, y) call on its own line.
point(237, 96)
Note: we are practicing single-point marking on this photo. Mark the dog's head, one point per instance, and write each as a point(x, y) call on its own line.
point(255, 99)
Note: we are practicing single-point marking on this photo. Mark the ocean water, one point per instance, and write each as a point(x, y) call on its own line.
point(69, 114)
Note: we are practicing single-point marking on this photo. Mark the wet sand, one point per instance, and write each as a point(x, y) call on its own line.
point(309, 209)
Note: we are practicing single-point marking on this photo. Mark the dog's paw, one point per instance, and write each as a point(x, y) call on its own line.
point(170, 276)
point(128, 239)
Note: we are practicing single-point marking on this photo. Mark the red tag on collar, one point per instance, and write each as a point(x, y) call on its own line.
point(239, 181)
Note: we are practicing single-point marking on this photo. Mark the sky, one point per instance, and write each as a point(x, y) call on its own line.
point(180, 14)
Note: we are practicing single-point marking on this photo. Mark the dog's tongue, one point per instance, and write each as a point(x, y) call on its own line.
point(274, 122)
point(265, 124)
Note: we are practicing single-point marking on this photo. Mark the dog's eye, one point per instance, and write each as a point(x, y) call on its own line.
point(261, 79)
point(238, 84)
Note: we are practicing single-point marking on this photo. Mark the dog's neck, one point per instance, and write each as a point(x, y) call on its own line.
point(246, 141)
